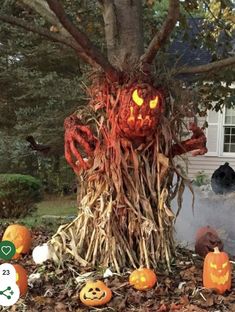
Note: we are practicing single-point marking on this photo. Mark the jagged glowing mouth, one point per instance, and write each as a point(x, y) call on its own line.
point(220, 280)
point(146, 121)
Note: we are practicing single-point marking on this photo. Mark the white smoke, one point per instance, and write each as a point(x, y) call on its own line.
point(218, 211)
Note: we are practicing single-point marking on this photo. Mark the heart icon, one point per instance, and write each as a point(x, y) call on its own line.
point(6, 250)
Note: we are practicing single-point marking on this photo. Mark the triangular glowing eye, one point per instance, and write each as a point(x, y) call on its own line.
point(135, 97)
point(213, 265)
point(224, 265)
point(154, 103)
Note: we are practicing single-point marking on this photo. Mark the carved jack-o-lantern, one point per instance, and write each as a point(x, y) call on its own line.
point(21, 279)
point(20, 236)
point(143, 279)
point(139, 111)
point(217, 271)
point(95, 294)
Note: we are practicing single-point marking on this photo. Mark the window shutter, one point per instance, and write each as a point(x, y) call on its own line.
point(212, 132)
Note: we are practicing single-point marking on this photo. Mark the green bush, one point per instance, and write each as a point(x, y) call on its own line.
point(18, 195)
point(201, 179)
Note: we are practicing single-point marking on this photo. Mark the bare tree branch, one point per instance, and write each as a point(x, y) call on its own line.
point(42, 8)
point(83, 40)
point(56, 37)
point(161, 37)
point(230, 61)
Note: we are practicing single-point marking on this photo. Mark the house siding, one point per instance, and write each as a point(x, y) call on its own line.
point(207, 164)
point(215, 157)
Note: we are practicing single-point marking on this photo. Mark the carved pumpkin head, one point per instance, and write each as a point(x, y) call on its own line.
point(21, 279)
point(95, 293)
point(143, 279)
point(217, 271)
point(20, 236)
point(139, 111)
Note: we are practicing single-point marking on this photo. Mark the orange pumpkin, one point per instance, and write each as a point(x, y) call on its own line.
point(217, 271)
point(20, 236)
point(21, 279)
point(140, 109)
point(95, 293)
point(143, 279)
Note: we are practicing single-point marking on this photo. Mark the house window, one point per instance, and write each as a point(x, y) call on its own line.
point(221, 133)
point(229, 131)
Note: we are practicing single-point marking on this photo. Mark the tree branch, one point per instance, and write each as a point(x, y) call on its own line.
point(55, 37)
point(42, 8)
point(83, 40)
point(206, 68)
point(161, 37)
point(42, 148)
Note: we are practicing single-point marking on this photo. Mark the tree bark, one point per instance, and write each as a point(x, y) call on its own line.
point(42, 8)
point(123, 31)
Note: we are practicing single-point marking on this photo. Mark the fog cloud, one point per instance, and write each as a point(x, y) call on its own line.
point(211, 209)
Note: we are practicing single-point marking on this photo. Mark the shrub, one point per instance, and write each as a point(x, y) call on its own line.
point(201, 179)
point(18, 195)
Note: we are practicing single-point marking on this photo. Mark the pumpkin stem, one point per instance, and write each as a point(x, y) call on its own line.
point(216, 250)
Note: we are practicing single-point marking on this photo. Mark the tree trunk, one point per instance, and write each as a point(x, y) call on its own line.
point(124, 32)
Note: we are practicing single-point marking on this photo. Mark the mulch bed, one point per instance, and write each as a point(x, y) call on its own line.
point(58, 289)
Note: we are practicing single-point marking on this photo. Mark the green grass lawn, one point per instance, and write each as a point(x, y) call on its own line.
point(51, 206)
point(59, 206)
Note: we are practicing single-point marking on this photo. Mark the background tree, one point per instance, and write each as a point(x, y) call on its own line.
point(40, 86)
point(124, 204)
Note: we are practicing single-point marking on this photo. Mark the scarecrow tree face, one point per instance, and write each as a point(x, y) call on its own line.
point(139, 112)
point(124, 186)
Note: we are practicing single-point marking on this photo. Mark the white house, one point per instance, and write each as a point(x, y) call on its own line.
point(221, 126)
point(220, 143)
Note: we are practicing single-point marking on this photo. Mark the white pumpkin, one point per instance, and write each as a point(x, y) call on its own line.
point(41, 253)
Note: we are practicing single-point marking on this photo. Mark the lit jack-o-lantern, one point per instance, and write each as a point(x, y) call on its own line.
point(95, 293)
point(143, 279)
point(139, 111)
point(20, 236)
point(217, 271)
point(21, 279)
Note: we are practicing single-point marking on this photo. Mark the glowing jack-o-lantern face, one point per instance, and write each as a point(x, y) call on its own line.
point(217, 271)
point(139, 111)
point(20, 236)
point(95, 294)
point(143, 279)
point(21, 279)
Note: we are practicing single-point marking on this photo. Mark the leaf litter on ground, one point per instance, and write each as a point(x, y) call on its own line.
point(57, 288)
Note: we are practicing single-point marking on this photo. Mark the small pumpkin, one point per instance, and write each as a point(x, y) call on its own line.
point(143, 279)
point(95, 293)
point(20, 236)
point(41, 254)
point(217, 271)
point(21, 279)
